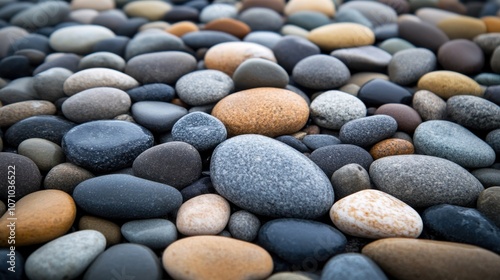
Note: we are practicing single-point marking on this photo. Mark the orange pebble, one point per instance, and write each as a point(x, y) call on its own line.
point(181, 28)
point(231, 26)
point(492, 24)
point(391, 147)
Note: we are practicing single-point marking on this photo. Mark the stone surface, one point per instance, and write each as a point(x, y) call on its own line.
point(395, 45)
point(332, 158)
point(316, 141)
point(377, 92)
point(44, 153)
point(206, 214)
point(157, 116)
point(217, 11)
point(80, 249)
point(405, 258)
point(408, 66)
point(321, 72)
point(487, 203)
point(366, 58)
point(199, 129)
point(18, 90)
point(244, 225)
point(152, 92)
point(79, 39)
point(12, 113)
point(177, 164)
point(98, 77)
point(410, 31)
point(308, 19)
point(65, 177)
point(462, 27)
point(323, 6)
point(392, 147)
point(49, 84)
point(216, 257)
point(423, 181)
point(375, 214)
point(98, 5)
point(377, 13)
point(122, 196)
point(303, 194)
point(448, 83)
point(407, 118)
point(148, 42)
point(207, 38)
point(151, 10)
point(268, 111)
point(429, 106)
point(41, 216)
point(153, 233)
point(231, 26)
point(487, 42)
point(52, 128)
point(341, 35)
point(27, 177)
point(110, 230)
point(36, 16)
point(349, 179)
point(492, 140)
point(367, 131)
point(352, 266)
point(489, 177)
point(473, 112)
point(332, 109)
point(102, 60)
point(471, 56)
point(204, 87)
point(258, 18)
point(289, 50)
point(258, 72)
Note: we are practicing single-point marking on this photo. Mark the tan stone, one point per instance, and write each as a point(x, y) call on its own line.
point(152, 10)
point(404, 258)
point(434, 15)
point(162, 25)
point(12, 113)
point(267, 111)
point(181, 28)
point(462, 27)
point(492, 24)
point(65, 177)
point(44, 153)
point(40, 217)
point(290, 29)
point(361, 78)
point(98, 77)
point(448, 83)
point(341, 35)
point(323, 6)
point(98, 5)
point(226, 57)
point(205, 214)
point(229, 25)
point(391, 147)
point(216, 257)
point(110, 230)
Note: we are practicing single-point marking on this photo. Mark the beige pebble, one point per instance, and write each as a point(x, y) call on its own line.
point(203, 215)
point(12, 113)
point(110, 230)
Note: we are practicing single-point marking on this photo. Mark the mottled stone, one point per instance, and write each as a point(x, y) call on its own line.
point(18, 90)
point(157, 116)
point(332, 158)
point(407, 66)
point(12, 113)
point(79, 39)
point(349, 179)
point(316, 141)
point(204, 87)
point(231, 26)
point(341, 35)
point(65, 177)
point(332, 109)
point(395, 45)
point(377, 13)
point(367, 131)
point(41, 15)
point(488, 204)
point(244, 225)
point(153, 233)
point(473, 112)
point(391, 147)
point(291, 49)
point(429, 106)
point(321, 72)
point(206, 214)
point(448, 83)
point(217, 11)
point(98, 77)
point(199, 129)
point(148, 42)
point(258, 18)
point(110, 230)
point(487, 42)
point(352, 266)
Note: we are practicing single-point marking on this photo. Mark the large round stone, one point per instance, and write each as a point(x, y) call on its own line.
point(79, 39)
point(332, 109)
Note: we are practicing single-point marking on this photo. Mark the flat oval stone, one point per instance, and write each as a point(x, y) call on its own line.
point(207, 38)
point(226, 57)
point(259, 18)
point(79, 39)
point(487, 79)
point(341, 35)
point(289, 50)
point(217, 11)
point(377, 13)
point(308, 19)
point(12, 113)
point(395, 45)
point(378, 92)
point(160, 67)
point(448, 83)
point(52, 128)
point(144, 43)
point(220, 256)
point(367, 131)
point(300, 241)
point(349, 179)
point(487, 203)
point(231, 26)
point(332, 109)
point(462, 225)
point(180, 29)
point(68, 61)
point(487, 42)
point(199, 129)
point(316, 141)
point(152, 92)
point(177, 164)
point(462, 27)
point(297, 195)
point(80, 249)
point(350, 216)
point(65, 177)
point(116, 261)
point(351, 266)
point(18, 90)
point(204, 87)
point(267, 39)
point(26, 174)
point(44, 153)
point(110, 230)
point(41, 216)
point(157, 116)
point(41, 15)
point(410, 31)
point(151, 10)
point(102, 60)
point(49, 84)
point(332, 158)
point(366, 58)
point(98, 5)
point(117, 142)
point(429, 106)
point(258, 72)
point(153, 233)
point(116, 45)
point(122, 196)
point(321, 72)
point(412, 259)
point(244, 225)
point(206, 214)
point(96, 104)
point(407, 66)
point(473, 112)
point(423, 181)
point(392, 147)
point(471, 56)
point(407, 118)
point(98, 77)
point(489, 177)
point(262, 111)
point(322, 6)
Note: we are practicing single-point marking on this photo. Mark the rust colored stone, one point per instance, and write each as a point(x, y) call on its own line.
point(231, 26)
point(391, 147)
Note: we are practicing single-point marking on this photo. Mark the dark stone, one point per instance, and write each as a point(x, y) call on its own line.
point(493, 94)
point(352, 266)
point(181, 13)
point(152, 92)
point(19, 267)
point(365, 58)
point(124, 196)
point(471, 56)
point(201, 186)
point(130, 28)
point(412, 31)
point(115, 45)
point(291, 49)
point(157, 116)
point(207, 38)
point(316, 141)
point(463, 225)
point(35, 57)
point(379, 92)
point(9, 10)
point(42, 14)
point(473, 112)
point(294, 143)
point(493, 139)
point(261, 19)
point(20, 172)
point(14, 67)
point(386, 31)
point(197, 4)
point(117, 144)
point(367, 131)
point(32, 41)
point(308, 19)
point(68, 61)
point(51, 128)
point(332, 158)
point(18, 90)
point(112, 19)
point(489, 177)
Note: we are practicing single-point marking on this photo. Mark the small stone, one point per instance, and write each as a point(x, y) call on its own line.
point(80, 249)
point(157, 116)
point(79, 39)
point(290, 276)
point(49, 84)
point(332, 109)
point(18, 90)
point(98, 77)
point(102, 60)
point(410, 31)
point(493, 140)
point(349, 179)
point(378, 92)
point(429, 106)
point(361, 78)
point(231, 26)
point(366, 58)
point(52, 128)
point(153, 233)
point(68, 61)
point(220, 255)
point(65, 177)
point(182, 28)
point(204, 87)
point(352, 266)
point(473, 112)
point(12, 113)
point(217, 11)
point(98, 5)
point(489, 177)
point(244, 225)
point(38, 15)
point(321, 72)
point(332, 158)
point(462, 27)
point(377, 13)
point(293, 142)
point(488, 204)
point(407, 118)
point(367, 131)
point(110, 230)
point(308, 19)
point(114, 45)
point(316, 141)
point(408, 66)
point(448, 83)
point(341, 35)
point(199, 187)
point(181, 13)
point(395, 45)
point(152, 92)
point(349, 215)
point(267, 39)
point(258, 72)
point(151, 10)
point(275, 5)
point(206, 214)
point(487, 79)
point(148, 42)
point(41, 216)
point(291, 49)
point(487, 42)
point(207, 39)
point(26, 173)
point(45, 154)
point(323, 6)
point(392, 147)
point(471, 57)
point(261, 19)
point(199, 129)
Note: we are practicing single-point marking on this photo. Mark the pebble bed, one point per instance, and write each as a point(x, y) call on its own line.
point(251, 139)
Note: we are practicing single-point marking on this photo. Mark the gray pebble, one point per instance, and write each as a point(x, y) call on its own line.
point(321, 72)
point(332, 109)
point(258, 72)
point(102, 60)
point(407, 66)
point(261, 19)
point(244, 225)
point(349, 179)
point(316, 141)
point(153, 233)
point(489, 177)
point(493, 139)
point(201, 130)
point(49, 84)
point(365, 58)
point(216, 11)
point(153, 42)
point(367, 131)
point(429, 106)
point(157, 116)
point(473, 112)
point(204, 87)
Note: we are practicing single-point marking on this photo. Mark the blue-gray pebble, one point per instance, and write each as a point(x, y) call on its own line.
point(153, 233)
point(157, 116)
point(199, 129)
point(332, 158)
point(204, 87)
point(352, 266)
point(152, 92)
point(244, 225)
point(316, 141)
point(321, 72)
point(367, 131)
point(473, 112)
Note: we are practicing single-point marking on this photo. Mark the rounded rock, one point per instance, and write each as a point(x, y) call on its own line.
point(392, 147)
point(199, 129)
point(44, 153)
point(367, 131)
point(462, 27)
point(488, 204)
point(365, 58)
point(321, 72)
point(26, 174)
point(152, 92)
point(258, 18)
point(244, 225)
point(41, 15)
point(349, 179)
point(204, 87)
point(206, 214)
point(473, 112)
point(332, 158)
point(289, 50)
point(258, 72)
point(217, 11)
point(151, 10)
point(410, 31)
point(98, 77)
point(65, 177)
point(332, 109)
point(323, 6)
point(12, 113)
point(102, 60)
point(406, 117)
point(429, 106)
point(148, 42)
point(153, 233)
point(352, 266)
point(341, 35)
point(79, 39)
point(408, 66)
point(448, 83)
point(471, 57)
point(52, 128)
point(49, 84)
point(110, 230)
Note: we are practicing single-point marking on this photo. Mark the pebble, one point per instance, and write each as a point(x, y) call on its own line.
point(65, 176)
point(27, 175)
point(49, 84)
point(341, 35)
point(16, 66)
point(372, 214)
point(408, 66)
point(220, 255)
point(352, 15)
point(349, 179)
point(289, 50)
point(462, 27)
point(122, 196)
point(261, 19)
point(97, 103)
point(110, 230)
point(244, 225)
point(44, 153)
point(116, 45)
point(309, 19)
point(366, 58)
point(377, 13)
point(41, 15)
point(157, 116)
point(18, 90)
point(231, 26)
point(10, 34)
point(316, 141)
point(423, 181)
point(367, 131)
point(323, 6)
point(487, 203)
point(152, 92)
point(79, 39)
point(463, 225)
point(429, 106)
point(473, 112)
point(98, 5)
point(471, 57)
point(117, 143)
point(448, 83)
point(181, 13)
point(410, 31)
point(251, 191)
point(487, 79)
point(160, 67)
point(391, 147)
point(204, 87)
point(176, 164)
point(207, 39)
point(199, 187)
point(298, 241)
point(12, 113)
point(489, 177)
point(258, 72)
point(217, 11)
point(294, 143)
point(41, 216)
point(199, 129)
point(352, 266)
point(377, 92)
point(405, 258)
point(180, 29)
point(153, 233)
point(275, 5)
point(102, 60)
point(293, 30)
point(332, 158)
point(151, 10)
point(487, 42)
point(492, 140)
point(292, 276)
point(249, 112)
point(51, 128)
point(150, 42)
point(407, 118)
point(332, 109)
point(98, 77)
point(267, 39)
point(206, 214)
point(395, 45)
point(321, 72)
point(67, 61)
point(80, 249)
point(117, 262)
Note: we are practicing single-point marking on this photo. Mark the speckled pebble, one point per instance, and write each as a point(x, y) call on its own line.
point(244, 225)
point(367, 131)
point(349, 179)
point(391, 147)
point(153, 233)
point(321, 72)
point(332, 109)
